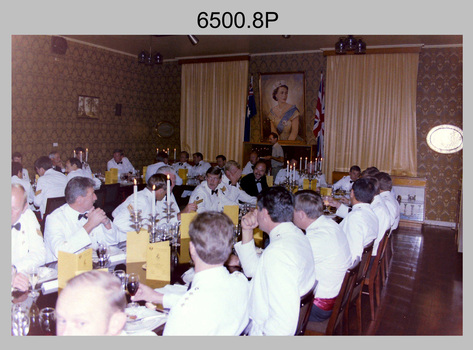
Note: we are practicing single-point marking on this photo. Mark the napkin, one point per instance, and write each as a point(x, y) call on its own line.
point(49, 287)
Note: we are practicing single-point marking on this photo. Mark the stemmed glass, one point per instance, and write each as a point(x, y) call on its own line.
point(132, 285)
point(121, 274)
point(102, 254)
point(20, 320)
point(33, 276)
point(47, 320)
point(174, 232)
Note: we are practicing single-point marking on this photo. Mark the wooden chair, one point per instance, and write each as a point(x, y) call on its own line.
point(337, 175)
point(372, 280)
point(387, 259)
point(51, 205)
point(336, 321)
point(307, 301)
point(358, 287)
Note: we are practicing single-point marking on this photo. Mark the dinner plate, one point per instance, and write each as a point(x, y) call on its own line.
point(145, 324)
point(46, 274)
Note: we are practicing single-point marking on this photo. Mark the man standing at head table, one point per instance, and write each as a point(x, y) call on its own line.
point(77, 224)
point(27, 246)
point(216, 302)
point(120, 162)
point(51, 183)
point(285, 269)
point(277, 155)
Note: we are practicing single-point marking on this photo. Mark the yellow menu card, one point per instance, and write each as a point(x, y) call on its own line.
point(232, 212)
point(186, 219)
point(325, 191)
point(158, 261)
point(183, 173)
point(313, 184)
point(111, 176)
point(68, 264)
point(269, 180)
point(144, 171)
point(258, 237)
point(184, 255)
point(136, 246)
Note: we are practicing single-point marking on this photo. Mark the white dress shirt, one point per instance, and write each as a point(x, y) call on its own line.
point(27, 246)
point(84, 173)
point(277, 151)
point(226, 195)
point(332, 255)
point(361, 228)
point(181, 165)
point(65, 232)
point(152, 169)
point(393, 207)
point(248, 169)
point(280, 276)
point(199, 169)
point(384, 220)
point(51, 184)
point(345, 184)
point(216, 304)
point(26, 175)
point(124, 168)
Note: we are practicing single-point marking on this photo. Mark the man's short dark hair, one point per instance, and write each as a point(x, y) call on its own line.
point(211, 233)
point(76, 162)
point(276, 136)
point(385, 181)
point(261, 161)
point(364, 190)
point(158, 180)
point(310, 202)
point(355, 168)
point(198, 154)
point(16, 168)
point(371, 171)
point(222, 157)
point(161, 156)
point(43, 162)
point(16, 155)
point(118, 151)
point(79, 149)
point(279, 203)
point(77, 186)
point(213, 170)
point(186, 153)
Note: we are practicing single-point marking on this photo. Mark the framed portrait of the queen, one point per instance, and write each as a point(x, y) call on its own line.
point(282, 106)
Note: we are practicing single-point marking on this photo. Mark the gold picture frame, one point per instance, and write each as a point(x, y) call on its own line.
point(88, 107)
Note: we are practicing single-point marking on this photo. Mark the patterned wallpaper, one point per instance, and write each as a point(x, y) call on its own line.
point(46, 86)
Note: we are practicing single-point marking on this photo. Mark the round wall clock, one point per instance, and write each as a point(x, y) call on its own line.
point(445, 138)
point(164, 129)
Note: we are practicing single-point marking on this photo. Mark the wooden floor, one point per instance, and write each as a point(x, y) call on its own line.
point(423, 294)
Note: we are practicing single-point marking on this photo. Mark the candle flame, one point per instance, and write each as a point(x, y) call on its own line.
point(168, 176)
point(154, 187)
point(134, 182)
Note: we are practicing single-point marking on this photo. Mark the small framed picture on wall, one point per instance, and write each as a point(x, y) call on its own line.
point(88, 107)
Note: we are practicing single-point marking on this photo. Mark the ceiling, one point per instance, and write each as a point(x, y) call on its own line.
point(179, 46)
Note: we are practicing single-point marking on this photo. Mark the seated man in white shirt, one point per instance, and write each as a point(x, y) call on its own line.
point(216, 302)
point(92, 303)
point(283, 272)
point(330, 247)
point(144, 201)
point(17, 178)
point(27, 246)
point(51, 183)
point(231, 173)
point(162, 159)
point(248, 169)
point(346, 182)
point(221, 161)
point(212, 195)
point(199, 169)
point(55, 157)
point(360, 224)
point(385, 187)
point(77, 224)
point(18, 157)
point(120, 162)
point(183, 162)
point(74, 168)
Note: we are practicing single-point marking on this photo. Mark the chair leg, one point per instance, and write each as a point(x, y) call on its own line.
point(358, 313)
point(371, 295)
point(378, 291)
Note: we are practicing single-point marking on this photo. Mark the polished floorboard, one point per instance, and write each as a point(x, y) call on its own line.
point(423, 294)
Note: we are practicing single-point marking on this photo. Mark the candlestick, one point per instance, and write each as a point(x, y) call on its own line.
point(174, 154)
point(157, 150)
point(300, 165)
point(135, 197)
point(168, 152)
point(321, 159)
point(86, 154)
point(153, 203)
point(74, 153)
point(168, 192)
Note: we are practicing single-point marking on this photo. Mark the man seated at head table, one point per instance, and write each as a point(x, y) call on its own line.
point(17, 178)
point(162, 159)
point(283, 272)
point(183, 162)
point(199, 169)
point(51, 183)
point(231, 173)
point(92, 303)
point(74, 169)
point(144, 198)
point(77, 224)
point(216, 302)
point(221, 161)
point(385, 188)
point(27, 246)
point(55, 157)
point(18, 157)
point(332, 256)
point(256, 182)
point(248, 169)
point(346, 182)
point(120, 162)
point(212, 195)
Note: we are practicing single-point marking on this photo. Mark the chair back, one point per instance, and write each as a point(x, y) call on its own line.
point(100, 193)
point(361, 275)
point(378, 260)
point(307, 301)
point(51, 205)
point(111, 198)
point(343, 298)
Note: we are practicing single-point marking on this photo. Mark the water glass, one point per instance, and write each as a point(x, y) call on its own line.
point(20, 320)
point(102, 254)
point(174, 233)
point(47, 320)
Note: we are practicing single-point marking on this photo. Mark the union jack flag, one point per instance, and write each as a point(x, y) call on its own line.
point(319, 119)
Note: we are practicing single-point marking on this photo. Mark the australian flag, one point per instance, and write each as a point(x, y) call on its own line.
point(250, 111)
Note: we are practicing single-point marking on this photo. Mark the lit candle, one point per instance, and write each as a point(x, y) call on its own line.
point(135, 197)
point(305, 167)
point(174, 154)
point(80, 155)
point(74, 153)
point(153, 203)
point(310, 167)
point(321, 159)
point(168, 192)
point(86, 154)
point(157, 150)
point(300, 165)
point(287, 169)
point(168, 152)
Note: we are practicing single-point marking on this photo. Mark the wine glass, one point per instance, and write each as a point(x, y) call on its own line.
point(47, 320)
point(121, 274)
point(20, 320)
point(132, 285)
point(33, 276)
point(102, 254)
point(174, 232)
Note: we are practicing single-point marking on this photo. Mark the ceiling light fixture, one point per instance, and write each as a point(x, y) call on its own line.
point(149, 58)
point(350, 44)
point(193, 39)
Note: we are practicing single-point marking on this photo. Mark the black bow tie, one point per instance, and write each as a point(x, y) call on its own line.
point(214, 192)
point(351, 181)
point(198, 164)
point(82, 216)
point(17, 226)
point(258, 180)
point(119, 162)
point(181, 163)
point(252, 167)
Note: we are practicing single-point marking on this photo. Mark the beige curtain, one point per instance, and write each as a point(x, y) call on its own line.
point(370, 113)
point(213, 104)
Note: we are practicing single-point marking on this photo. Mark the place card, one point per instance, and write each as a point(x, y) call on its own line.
point(258, 236)
point(309, 185)
point(136, 246)
point(269, 180)
point(158, 261)
point(186, 219)
point(184, 254)
point(68, 264)
point(232, 211)
point(183, 174)
point(144, 171)
point(325, 191)
point(314, 185)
